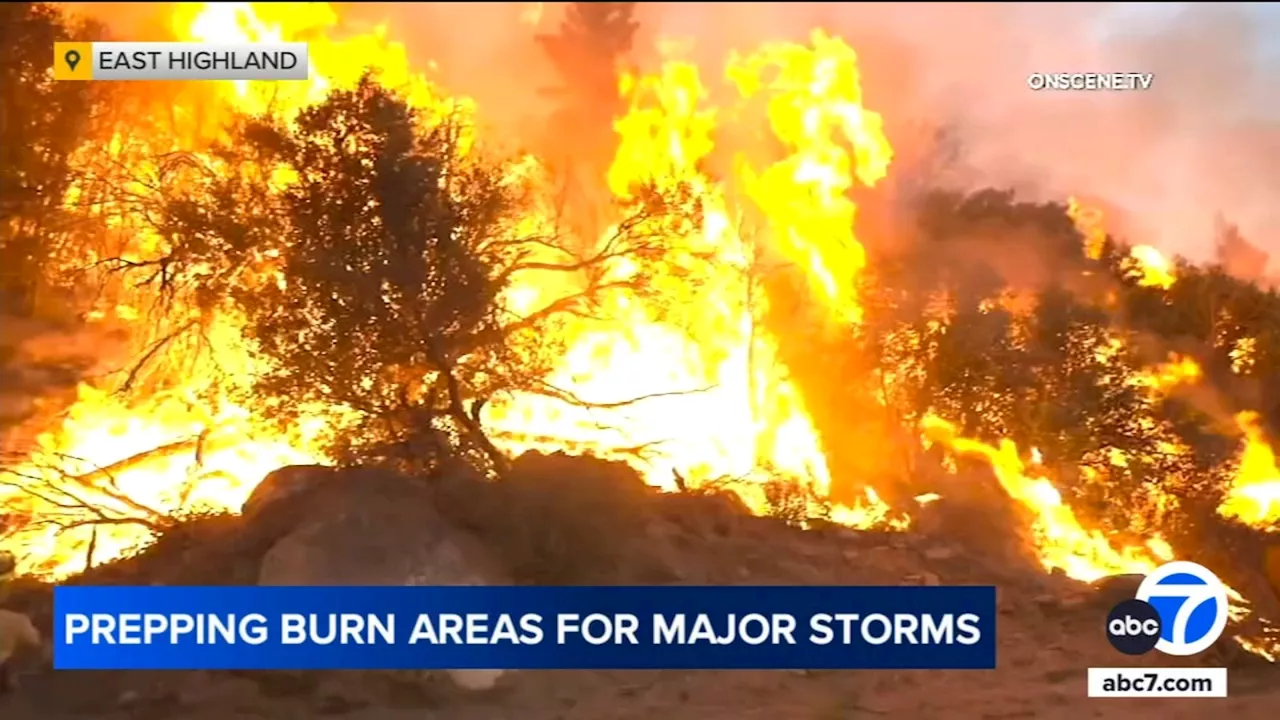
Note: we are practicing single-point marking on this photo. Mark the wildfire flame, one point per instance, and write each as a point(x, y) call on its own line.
point(1145, 265)
point(717, 404)
point(1254, 494)
point(1060, 540)
point(750, 422)
point(702, 392)
point(1089, 221)
point(1179, 370)
point(1150, 268)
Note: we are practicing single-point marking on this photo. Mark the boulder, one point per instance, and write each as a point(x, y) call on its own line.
point(282, 484)
point(1111, 590)
point(277, 506)
point(372, 527)
point(17, 633)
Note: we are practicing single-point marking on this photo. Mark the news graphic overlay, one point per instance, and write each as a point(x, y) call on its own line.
point(517, 628)
point(1090, 81)
point(180, 61)
point(1180, 609)
point(1169, 682)
point(1134, 627)
point(1191, 603)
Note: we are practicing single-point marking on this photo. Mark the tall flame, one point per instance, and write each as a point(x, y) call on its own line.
point(815, 110)
point(715, 403)
point(740, 416)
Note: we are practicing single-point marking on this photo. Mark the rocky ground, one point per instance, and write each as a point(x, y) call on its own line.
point(1050, 632)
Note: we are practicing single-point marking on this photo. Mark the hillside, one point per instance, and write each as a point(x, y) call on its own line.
point(1050, 627)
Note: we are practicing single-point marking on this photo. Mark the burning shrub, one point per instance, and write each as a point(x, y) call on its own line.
point(372, 249)
point(389, 307)
point(790, 501)
point(358, 241)
point(975, 325)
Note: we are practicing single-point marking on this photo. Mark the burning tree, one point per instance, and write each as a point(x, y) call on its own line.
point(1009, 345)
point(42, 122)
point(371, 250)
point(385, 304)
point(586, 52)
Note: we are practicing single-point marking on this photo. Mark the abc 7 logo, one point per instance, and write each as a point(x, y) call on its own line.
point(1180, 609)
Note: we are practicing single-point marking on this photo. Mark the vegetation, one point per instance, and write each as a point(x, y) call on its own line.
point(367, 248)
point(42, 123)
point(586, 52)
point(372, 278)
point(997, 321)
point(384, 282)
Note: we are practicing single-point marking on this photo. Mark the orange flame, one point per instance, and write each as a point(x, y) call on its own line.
point(1254, 495)
point(1090, 223)
point(717, 403)
point(1061, 541)
point(1149, 268)
point(740, 417)
point(1179, 370)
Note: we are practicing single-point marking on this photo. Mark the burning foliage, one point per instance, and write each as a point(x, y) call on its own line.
point(349, 270)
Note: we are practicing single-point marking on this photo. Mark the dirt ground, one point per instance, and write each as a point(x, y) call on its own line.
point(1050, 632)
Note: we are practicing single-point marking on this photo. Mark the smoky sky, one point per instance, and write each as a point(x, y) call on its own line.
point(1204, 140)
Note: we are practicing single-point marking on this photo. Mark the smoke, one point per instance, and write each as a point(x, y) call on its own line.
point(1205, 139)
point(484, 50)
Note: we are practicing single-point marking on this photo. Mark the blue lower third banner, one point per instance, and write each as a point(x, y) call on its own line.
point(523, 628)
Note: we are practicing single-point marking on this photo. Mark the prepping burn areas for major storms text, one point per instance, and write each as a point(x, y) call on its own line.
point(526, 629)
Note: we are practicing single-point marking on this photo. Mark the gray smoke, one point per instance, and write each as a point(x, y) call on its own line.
point(1204, 140)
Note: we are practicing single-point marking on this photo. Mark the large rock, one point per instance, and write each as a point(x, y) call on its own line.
point(1111, 590)
point(370, 527)
point(290, 483)
point(17, 633)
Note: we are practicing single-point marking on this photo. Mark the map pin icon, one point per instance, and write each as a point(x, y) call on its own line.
point(73, 59)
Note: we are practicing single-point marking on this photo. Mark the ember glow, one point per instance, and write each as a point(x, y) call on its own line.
point(698, 392)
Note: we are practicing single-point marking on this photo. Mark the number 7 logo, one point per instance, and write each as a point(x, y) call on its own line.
point(1179, 592)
